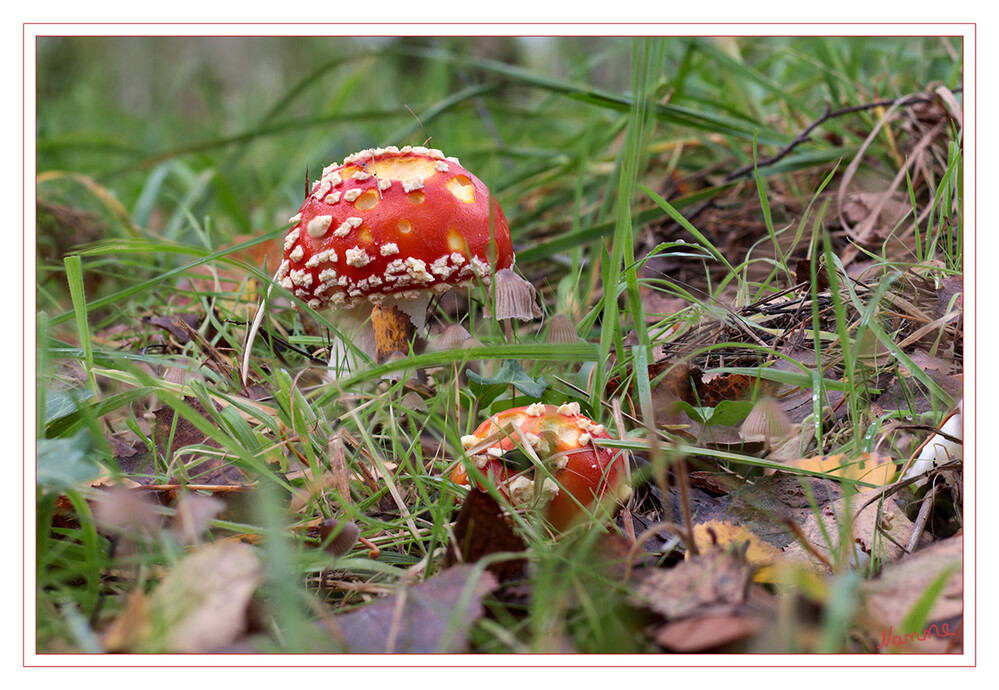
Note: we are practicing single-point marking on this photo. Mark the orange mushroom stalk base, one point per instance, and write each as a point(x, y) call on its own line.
point(584, 477)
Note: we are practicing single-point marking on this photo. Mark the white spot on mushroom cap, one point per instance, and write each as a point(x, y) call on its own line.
point(282, 270)
point(291, 238)
point(469, 441)
point(332, 198)
point(297, 254)
point(440, 267)
point(351, 195)
point(318, 226)
point(534, 410)
point(521, 490)
point(389, 248)
point(412, 185)
point(417, 270)
point(322, 189)
point(384, 184)
point(295, 218)
point(548, 489)
point(347, 226)
point(301, 278)
point(322, 257)
point(569, 409)
point(358, 257)
point(481, 268)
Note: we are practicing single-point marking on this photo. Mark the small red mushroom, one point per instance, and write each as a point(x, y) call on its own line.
point(390, 228)
point(560, 437)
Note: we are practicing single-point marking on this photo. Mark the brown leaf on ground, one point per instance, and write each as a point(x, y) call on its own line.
point(803, 275)
point(706, 632)
point(890, 597)
point(393, 331)
point(200, 606)
point(717, 581)
point(713, 390)
point(172, 433)
point(172, 324)
point(708, 601)
point(481, 530)
point(878, 531)
point(678, 381)
point(432, 616)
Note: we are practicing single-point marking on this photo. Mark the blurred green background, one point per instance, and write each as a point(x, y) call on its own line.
point(203, 139)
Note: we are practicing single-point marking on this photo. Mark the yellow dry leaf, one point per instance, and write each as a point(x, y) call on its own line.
point(870, 468)
point(721, 534)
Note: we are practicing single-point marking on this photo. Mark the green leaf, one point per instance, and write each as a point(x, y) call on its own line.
point(510, 374)
point(65, 462)
point(730, 412)
point(58, 404)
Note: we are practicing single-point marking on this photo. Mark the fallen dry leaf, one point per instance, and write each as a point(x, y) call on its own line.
point(199, 606)
point(726, 535)
point(870, 468)
point(693, 635)
point(708, 601)
point(712, 582)
point(890, 597)
point(876, 532)
point(432, 616)
point(481, 530)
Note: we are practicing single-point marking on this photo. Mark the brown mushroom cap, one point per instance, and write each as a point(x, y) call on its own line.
point(393, 222)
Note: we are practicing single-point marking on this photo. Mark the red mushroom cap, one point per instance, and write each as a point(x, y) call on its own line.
point(397, 222)
point(562, 438)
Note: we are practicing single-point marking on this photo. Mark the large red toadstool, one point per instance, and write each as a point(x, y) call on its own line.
point(389, 228)
point(586, 475)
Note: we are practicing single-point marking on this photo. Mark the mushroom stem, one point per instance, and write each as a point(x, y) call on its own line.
point(355, 332)
point(394, 330)
point(377, 331)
